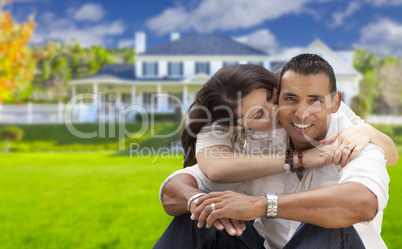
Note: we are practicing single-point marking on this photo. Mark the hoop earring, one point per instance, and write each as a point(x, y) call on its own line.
point(238, 139)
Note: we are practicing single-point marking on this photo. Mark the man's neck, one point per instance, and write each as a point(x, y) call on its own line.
point(304, 146)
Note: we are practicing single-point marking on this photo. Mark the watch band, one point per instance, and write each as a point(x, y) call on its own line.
point(272, 205)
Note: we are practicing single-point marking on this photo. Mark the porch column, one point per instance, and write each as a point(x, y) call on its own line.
point(133, 95)
point(185, 97)
point(158, 98)
point(29, 109)
point(95, 90)
point(119, 98)
point(73, 91)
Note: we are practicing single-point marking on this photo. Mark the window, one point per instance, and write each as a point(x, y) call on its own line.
point(172, 101)
point(230, 63)
point(150, 68)
point(259, 63)
point(202, 67)
point(147, 99)
point(175, 68)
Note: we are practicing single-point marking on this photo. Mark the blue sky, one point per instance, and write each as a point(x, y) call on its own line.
point(276, 26)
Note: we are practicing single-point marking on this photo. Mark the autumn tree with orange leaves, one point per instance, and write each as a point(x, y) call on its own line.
point(17, 63)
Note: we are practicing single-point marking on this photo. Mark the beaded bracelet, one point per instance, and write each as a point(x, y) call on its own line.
point(300, 156)
point(289, 160)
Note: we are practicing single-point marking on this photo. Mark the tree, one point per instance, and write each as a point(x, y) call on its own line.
point(9, 133)
point(67, 61)
point(380, 88)
point(17, 63)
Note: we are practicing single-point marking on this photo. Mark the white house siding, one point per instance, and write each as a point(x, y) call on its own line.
point(138, 69)
point(348, 89)
point(188, 68)
point(162, 69)
point(347, 56)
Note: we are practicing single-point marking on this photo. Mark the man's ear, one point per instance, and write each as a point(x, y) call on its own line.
point(336, 102)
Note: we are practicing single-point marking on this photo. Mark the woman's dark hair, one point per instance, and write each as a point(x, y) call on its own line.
point(218, 100)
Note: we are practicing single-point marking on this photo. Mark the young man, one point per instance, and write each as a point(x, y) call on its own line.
point(331, 197)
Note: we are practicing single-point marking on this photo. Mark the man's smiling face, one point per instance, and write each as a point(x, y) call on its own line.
point(305, 107)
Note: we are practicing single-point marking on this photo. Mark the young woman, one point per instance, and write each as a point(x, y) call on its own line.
point(235, 112)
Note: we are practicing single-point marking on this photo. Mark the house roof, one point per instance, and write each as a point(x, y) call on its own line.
point(341, 68)
point(204, 44)
point(113, 72)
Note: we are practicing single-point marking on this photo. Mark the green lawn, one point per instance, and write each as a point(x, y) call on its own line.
point(81, 200)
point(104, 200)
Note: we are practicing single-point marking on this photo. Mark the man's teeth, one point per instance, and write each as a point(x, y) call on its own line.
point(302, 126)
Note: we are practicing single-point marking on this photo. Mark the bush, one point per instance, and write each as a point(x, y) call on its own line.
point(360, 106)
point(158, 117)
point(11, 133)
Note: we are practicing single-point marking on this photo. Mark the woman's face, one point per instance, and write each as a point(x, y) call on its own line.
point(259, 110)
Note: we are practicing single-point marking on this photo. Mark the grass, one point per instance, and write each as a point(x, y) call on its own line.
point(81, 200)
point(104, 200)
point(392, 221)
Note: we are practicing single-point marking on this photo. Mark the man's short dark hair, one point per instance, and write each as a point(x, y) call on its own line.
point(306, 64)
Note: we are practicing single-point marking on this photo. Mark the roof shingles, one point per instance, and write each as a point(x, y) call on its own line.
point(204, 44)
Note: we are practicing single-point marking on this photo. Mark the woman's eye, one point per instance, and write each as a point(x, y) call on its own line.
point(316, 100)
point(290, 98)
point(258, 115)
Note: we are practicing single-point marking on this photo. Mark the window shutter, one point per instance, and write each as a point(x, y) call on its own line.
point(169, 68)
point(144, 98)
point(196, 68)
point(156, 68)
point(181, 68)
point(207, 68)
point(143, 68)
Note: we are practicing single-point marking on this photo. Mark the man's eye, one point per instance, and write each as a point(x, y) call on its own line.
point(316, 100)
point(290, 98)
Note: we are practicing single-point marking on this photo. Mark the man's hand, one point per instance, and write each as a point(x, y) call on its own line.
point(228, 205)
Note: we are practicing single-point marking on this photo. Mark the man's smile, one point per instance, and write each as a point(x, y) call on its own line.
point(301, 126)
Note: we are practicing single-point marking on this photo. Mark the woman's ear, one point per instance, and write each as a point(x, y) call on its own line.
point(336, 102)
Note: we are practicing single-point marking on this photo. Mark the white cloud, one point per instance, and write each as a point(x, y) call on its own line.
point(339, 16)
point(383, 37)
point(261, 39)
point(89, 12)
point(52, 28)
point(385, 2)
point(285, 54)
point(126, 43)
point(212, 15)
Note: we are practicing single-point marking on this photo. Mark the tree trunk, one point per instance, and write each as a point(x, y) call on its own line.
point(7, 147)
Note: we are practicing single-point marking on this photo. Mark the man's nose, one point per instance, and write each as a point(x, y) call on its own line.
point(302, 111)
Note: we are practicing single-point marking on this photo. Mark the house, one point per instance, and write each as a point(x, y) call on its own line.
point(170, 75)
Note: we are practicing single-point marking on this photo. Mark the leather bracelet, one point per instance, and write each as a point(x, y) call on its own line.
point(192, 198)
point(272, 206)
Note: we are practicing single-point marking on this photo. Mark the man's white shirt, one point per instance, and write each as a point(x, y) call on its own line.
point(368, 169)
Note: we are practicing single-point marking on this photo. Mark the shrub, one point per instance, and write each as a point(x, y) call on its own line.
point(11, 133)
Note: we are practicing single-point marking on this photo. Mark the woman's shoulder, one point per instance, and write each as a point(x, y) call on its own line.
point(213, 127)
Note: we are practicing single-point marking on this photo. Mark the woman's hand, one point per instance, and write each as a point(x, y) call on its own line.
point(232, 226)
point(229, 205)
point(318, 156)
point(349, 142)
